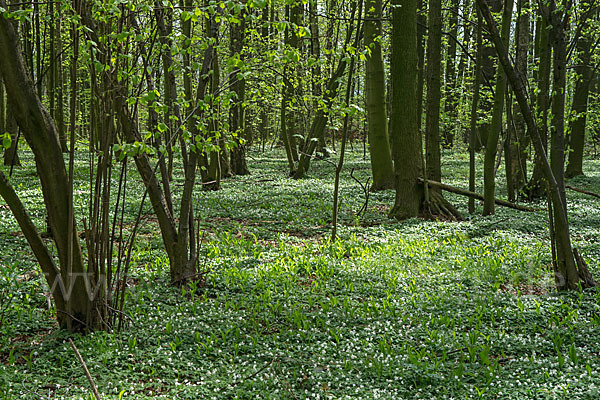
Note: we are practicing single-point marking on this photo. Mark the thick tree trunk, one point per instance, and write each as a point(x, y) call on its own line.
point(41, 134)
point(407, 150)
point(379, 143)
point(491, 148)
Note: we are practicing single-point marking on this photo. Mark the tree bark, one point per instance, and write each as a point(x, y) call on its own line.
point(491, 148)
point(379, 144)
point(570, 273)
point(577, 122)
point(451, 104)
point(473, 137)
point(237, 114)
point(406, 139)
point(519, 141)
point(536, 187)
point(433, 76)
point(41, 134)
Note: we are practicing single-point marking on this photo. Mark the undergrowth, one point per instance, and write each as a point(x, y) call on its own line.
point(390, 310)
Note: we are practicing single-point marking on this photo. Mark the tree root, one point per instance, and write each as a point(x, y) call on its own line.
point(587, 280)
point(438, 208)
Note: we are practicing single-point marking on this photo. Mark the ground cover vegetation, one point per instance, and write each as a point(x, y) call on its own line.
point(390, 310)
point(268, 199)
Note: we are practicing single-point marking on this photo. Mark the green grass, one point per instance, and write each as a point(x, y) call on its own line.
point(392, 310)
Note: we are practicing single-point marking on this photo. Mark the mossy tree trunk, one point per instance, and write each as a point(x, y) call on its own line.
point(379, 144)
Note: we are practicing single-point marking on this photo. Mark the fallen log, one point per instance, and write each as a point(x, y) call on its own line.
point(583, 191)
point(463, 192)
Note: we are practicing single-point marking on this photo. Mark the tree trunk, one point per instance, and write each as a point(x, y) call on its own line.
point(2, 108)
point(451, 97)
point(237, 113)
point(519, 141)
point(379, 143)
point(315, 50)
point(536, 187)
point(11, 154)
point(491, 148)
point(421, 29)
point(473, 137)
point(488, 72)
point(577, 122)
point(406, 139)
point(433, 76)
point(319, 121)
point(75, 309)
point(570, 272)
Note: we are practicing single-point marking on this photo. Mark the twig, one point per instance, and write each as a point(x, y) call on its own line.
point(85, 369)
point(234, 384)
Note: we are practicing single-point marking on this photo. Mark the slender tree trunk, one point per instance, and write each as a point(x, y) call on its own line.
point(237, 120)
point(2, 108)
point(569, 272)
point(517, 168)
point(577, 122)
point(491, 148)
point(488, 71)
point(315, 50)
point(11, 154)
point(421, 28)
point(319, 121)
point(379, 143)
point(474, 107)
point(536, 187)
point(433, 76)
point(293, 41)
point(451, 96)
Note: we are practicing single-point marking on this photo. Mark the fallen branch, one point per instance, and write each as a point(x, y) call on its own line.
point(583, 191)
point(468, 193)
point(85, 369)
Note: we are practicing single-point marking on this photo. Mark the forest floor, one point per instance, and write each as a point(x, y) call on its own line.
point(418, 309)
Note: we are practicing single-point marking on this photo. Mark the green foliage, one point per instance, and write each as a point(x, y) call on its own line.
point(393, 310)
